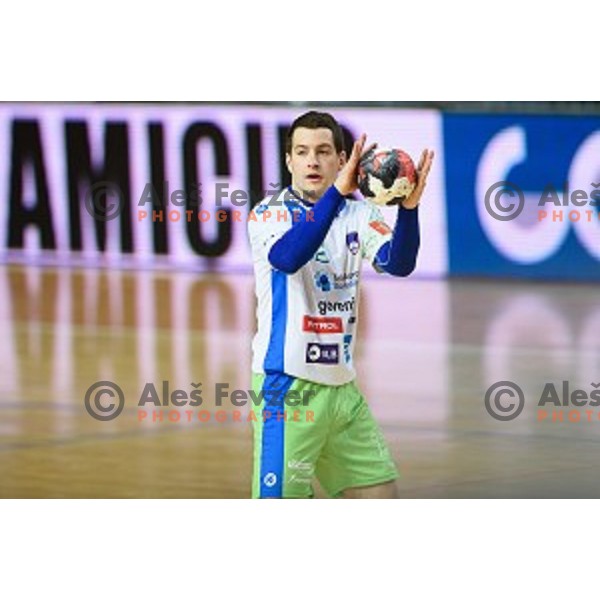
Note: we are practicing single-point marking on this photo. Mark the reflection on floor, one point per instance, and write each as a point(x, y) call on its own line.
point(427, 352)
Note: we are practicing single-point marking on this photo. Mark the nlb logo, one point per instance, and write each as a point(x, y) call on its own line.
point(325, 354)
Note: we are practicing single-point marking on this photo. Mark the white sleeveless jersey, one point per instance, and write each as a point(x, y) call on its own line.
point(307, 320)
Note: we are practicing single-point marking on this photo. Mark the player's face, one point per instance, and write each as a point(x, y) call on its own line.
point(313, 162)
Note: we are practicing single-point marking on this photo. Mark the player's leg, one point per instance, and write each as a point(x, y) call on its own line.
point(288, 437)
point(383, 491)
point(356, 461)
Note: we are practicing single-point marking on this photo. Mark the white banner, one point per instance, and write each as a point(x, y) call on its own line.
point(57, 161)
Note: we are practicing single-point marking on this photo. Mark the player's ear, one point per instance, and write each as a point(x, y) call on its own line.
point(288, 162)
point(343, 158)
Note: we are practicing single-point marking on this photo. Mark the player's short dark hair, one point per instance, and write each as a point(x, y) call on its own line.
point(316, 120)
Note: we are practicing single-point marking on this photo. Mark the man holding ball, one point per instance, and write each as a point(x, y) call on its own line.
point(307, 256)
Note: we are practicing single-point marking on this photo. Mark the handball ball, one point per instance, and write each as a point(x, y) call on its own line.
point(386, 177)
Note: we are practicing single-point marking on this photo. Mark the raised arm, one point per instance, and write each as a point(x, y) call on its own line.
point(399, 256)
point(298, 245)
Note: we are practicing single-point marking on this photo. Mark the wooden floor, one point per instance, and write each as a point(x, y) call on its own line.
point(428, 351)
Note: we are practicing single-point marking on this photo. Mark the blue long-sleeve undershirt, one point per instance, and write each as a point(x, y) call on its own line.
point(399, 256)
point(298, 245)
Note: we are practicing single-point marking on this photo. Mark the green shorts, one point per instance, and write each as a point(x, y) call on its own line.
point(304, 430)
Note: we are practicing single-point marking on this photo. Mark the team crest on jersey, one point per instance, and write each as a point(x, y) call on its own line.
point(353, 242)
point(323, 281)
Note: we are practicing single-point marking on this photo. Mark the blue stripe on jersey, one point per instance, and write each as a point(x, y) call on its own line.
point(272, 452)
point(274, 358)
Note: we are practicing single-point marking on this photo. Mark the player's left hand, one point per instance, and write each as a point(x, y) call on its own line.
point(422, 172)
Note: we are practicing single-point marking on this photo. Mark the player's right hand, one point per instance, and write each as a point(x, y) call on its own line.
point(347, 179)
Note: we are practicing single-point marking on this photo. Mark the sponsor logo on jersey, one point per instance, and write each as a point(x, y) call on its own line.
point(323, 281)
point(345, 281)
point(380, 227)
point(321, 256)
point(301, 472)
point(347, 343)
point(270, 479)
point(295, 478)
point(301, 465)
point(326, 306)
point(326, 281)
point(322, 324)
point(353, 242)
point(324, 354)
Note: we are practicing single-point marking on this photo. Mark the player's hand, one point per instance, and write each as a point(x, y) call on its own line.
point(422, 172)
point(347, 179)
